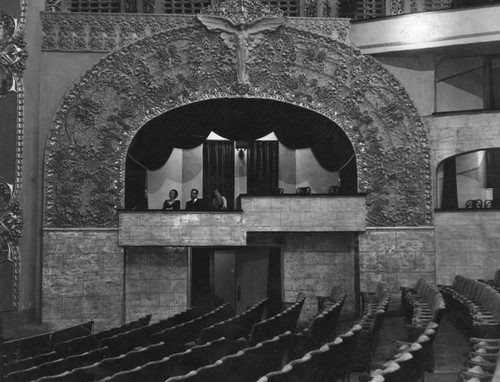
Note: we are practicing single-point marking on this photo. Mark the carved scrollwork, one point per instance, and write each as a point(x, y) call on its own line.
point(13, 52)
point(104, 32)
point(100, 115)
point(338, 29)
point(242, 11)
point(11, 223)
point(13, 55)
point(53, 5)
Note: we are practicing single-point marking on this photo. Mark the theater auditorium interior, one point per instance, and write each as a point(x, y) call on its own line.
point(249, 190)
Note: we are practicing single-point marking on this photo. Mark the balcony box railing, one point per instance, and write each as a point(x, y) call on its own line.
point(284, 213)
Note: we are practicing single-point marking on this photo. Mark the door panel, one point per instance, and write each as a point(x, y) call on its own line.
point(224, 271)
point(251, 277)
point(239, 276)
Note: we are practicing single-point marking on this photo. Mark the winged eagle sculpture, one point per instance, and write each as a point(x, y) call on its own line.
point(241, 37)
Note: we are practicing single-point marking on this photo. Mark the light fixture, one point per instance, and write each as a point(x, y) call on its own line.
point(241, 146)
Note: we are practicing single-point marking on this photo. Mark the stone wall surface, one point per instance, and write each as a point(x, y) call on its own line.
point(156, 281)
point(454, 134)
point(398, 257)
point(260, 214)
point(82, 278)
point(315, 262)
point(468, 244)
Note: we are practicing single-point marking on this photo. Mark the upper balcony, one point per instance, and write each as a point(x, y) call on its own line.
point(421, 24)
point(354, 9)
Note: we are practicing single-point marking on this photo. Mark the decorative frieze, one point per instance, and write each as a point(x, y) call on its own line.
point(104, 32)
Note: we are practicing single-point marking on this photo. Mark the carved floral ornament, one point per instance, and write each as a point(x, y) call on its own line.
point(13, 55)
point(85, 160)
point(12, 52)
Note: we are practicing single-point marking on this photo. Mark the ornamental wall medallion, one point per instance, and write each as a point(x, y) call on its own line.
point(88, 142)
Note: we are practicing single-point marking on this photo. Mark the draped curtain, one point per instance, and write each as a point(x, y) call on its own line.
point(348, 178)
point(262, 168)
point(218, 170)
point(135, 183)
point(449, 198)
point(188, 127)
point(493, 171)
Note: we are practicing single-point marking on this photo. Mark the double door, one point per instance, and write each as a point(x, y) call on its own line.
point(239, 276)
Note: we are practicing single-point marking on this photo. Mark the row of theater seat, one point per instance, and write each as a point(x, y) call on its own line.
point(85, 350)
point(330, 362)
point(43, 343)
point(247, 350)
point(474, 306)
point(374, 308)
point(268, 355)
point(482, 363)
point(421, 305)
point(125, 341)
point(410, 360)
point(31, 351)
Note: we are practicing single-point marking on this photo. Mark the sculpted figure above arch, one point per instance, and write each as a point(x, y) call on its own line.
point(88, 142)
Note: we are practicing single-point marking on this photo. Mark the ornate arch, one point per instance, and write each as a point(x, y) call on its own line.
point(87, 145)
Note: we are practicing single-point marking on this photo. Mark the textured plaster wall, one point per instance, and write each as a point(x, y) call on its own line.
point(416, 74)
point(459, 84)
point(455, 134)
point(398, 257)
point(82, 278)
point(467, 243)
point(315, 262)
point(156, 281)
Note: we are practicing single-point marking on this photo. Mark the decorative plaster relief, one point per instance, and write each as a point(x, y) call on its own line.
point(13, 52)
point(13, 56)
point(104, 32)
point(88, 142)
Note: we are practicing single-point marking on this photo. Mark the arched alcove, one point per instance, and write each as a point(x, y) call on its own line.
point(88, 142)
point(469, 180)
point(317, 147)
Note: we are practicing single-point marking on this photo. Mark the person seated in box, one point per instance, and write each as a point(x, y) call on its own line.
point(219, 202)
point(195, 204)
point(172, 204)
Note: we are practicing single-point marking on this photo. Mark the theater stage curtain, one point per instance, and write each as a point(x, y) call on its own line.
point(262, 168)
point(218, 170)
point(449, 198)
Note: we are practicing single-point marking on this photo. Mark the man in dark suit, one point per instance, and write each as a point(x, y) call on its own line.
point(195, 204)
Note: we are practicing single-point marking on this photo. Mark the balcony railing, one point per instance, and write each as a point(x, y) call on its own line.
point(355, 9)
